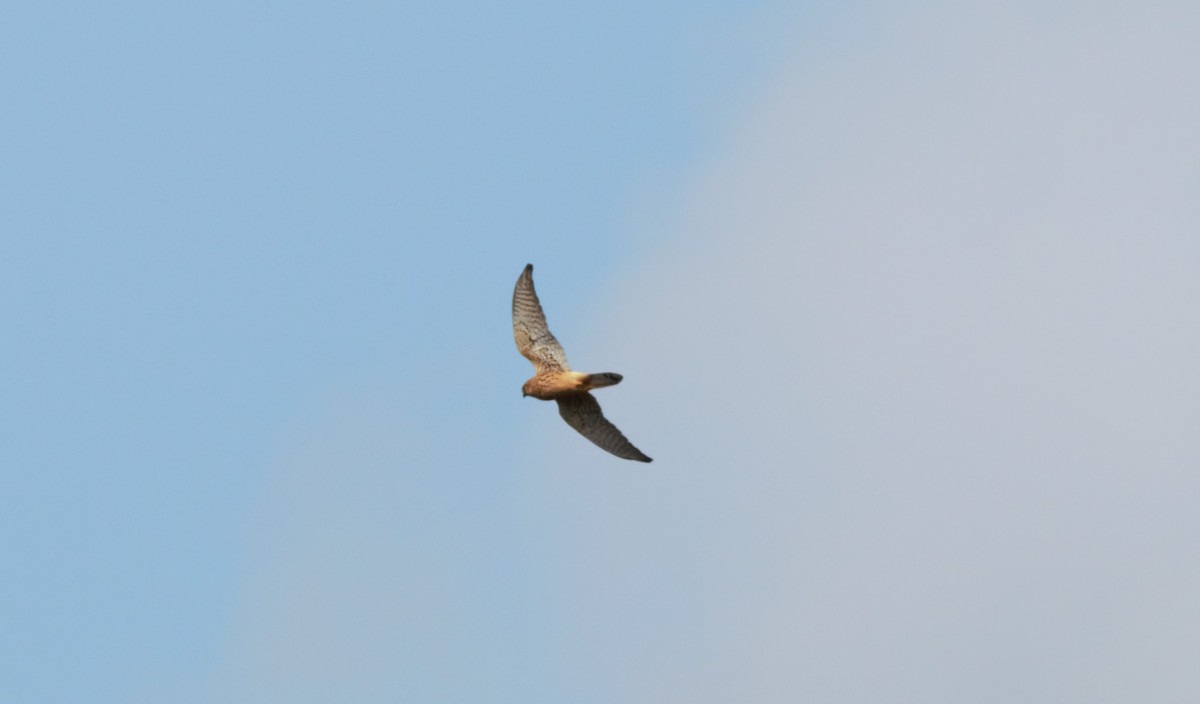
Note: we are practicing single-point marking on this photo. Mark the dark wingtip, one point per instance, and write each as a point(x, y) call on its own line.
point(528, 268)
point(647, 460)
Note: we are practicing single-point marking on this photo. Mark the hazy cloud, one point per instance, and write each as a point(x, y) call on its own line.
point(917, 366)
point(360, 586)
point(919, 374)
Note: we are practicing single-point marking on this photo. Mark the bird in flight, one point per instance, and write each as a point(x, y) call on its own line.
point(554, 379)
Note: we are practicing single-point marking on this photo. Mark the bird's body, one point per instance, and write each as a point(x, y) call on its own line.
point(554, 379)
point(552, 385)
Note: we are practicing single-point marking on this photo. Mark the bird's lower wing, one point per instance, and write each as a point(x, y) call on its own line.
point(582, 412)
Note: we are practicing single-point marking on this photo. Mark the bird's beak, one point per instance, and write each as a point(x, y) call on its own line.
point(523, 394)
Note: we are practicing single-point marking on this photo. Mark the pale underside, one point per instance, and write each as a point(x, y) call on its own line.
point(553, 378)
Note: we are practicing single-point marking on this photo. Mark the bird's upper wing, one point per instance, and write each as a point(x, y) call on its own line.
point(582, 412)
point(534, 340)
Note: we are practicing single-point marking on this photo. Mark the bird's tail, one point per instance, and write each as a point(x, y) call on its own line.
point(595, 381)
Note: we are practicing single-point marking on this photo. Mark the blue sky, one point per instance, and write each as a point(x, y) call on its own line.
point(903, 295)
point(223, 220)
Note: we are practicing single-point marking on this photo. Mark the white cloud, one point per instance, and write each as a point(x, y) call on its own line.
point(919, 375)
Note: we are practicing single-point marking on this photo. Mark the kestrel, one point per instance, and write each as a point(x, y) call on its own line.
point(555, 380)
